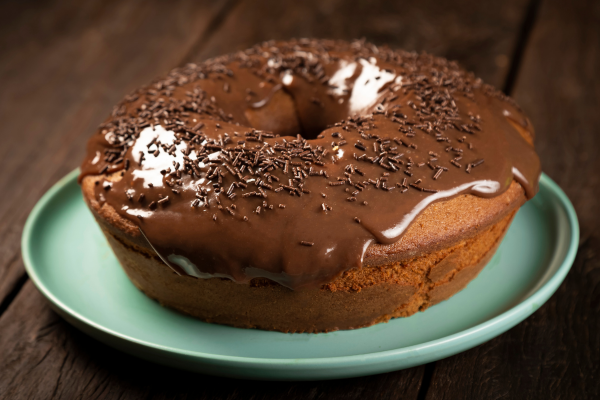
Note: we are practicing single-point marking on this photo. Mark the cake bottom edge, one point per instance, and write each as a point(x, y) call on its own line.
point(356, 299)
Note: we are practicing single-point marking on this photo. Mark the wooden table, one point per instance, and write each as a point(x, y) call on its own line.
point(64, 64)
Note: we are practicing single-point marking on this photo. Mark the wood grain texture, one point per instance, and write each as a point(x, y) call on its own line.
point(480, 35)
point(63, 65)
point(553, 354)
point(44, 357)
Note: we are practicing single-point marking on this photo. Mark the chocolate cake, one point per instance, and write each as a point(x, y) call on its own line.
point(309, 185)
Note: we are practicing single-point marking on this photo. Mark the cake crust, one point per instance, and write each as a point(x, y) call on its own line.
point(357, 298)
point(428, 265)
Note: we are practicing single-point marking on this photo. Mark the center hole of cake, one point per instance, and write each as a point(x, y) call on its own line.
point(281, 114)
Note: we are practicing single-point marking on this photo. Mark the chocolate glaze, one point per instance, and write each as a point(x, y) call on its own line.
point(375, 128)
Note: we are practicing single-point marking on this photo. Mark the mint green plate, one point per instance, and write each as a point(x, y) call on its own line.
point(70, 262)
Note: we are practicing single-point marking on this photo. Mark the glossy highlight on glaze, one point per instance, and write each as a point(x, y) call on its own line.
point(381, 136)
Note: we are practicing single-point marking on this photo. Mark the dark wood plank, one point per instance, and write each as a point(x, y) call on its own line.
point(63, 65)
point(44, 357)
point(553, 354)
point(480, 35)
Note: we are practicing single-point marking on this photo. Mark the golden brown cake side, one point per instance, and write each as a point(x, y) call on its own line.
point(356, 299)
point(429, 264)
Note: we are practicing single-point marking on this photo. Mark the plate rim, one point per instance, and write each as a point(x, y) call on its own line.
point(538, 297)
